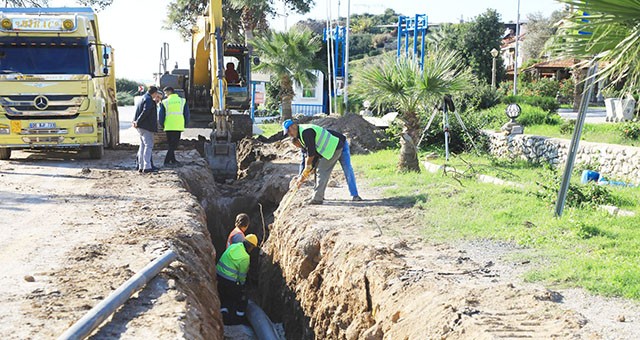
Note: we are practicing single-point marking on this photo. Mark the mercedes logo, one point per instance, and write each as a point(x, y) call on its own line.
point(41, 103)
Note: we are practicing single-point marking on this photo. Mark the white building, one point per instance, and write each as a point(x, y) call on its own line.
point(309, 101)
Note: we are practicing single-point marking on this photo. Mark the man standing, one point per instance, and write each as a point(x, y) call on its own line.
point(146, 123)
point(174, 117)
point(324, 149)
point(232, 272)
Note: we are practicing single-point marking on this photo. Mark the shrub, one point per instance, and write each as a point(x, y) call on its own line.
point(567, 87)
point(532, 115)
point(128, 86)
point(567, 127)
point(578, 195)
point(481, 97)
point(630, 130)
point(544, 87)
point(124, 99)
point(495, 117)
point(548, 104)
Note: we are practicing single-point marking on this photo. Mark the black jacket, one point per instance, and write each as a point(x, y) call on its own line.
point(147, 114)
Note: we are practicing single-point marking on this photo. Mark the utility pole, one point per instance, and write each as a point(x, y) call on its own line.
point(346, 59)
point(517, 55)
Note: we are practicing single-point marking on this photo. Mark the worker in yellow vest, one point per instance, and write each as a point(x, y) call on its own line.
point(232, 270)
point(324, 148)
point(174, 117)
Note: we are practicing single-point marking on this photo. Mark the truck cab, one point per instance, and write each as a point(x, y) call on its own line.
point(57, 83)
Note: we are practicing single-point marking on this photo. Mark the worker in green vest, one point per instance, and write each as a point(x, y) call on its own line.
point(174, 117)
point(324, 148)
point(232, 269)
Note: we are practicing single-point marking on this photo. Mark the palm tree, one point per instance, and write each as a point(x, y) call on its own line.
point(253, 14)
point(401, 83)
point(291, 57)
point(610, 32)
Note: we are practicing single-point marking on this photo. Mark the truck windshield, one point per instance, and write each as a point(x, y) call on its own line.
point(44, 59)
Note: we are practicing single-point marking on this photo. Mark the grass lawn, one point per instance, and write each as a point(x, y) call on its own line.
point(600, 133)
point(586, 248)
point(270, 129)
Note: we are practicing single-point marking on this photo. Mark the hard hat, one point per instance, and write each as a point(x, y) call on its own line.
point(286, 125)
point(253, 239)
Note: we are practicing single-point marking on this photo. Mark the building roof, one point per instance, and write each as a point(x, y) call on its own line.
point(556, 64)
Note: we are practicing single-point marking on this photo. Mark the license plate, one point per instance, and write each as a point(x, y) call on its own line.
point(42, 125)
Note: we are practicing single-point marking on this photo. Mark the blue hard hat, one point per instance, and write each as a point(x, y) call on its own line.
point(286, 125)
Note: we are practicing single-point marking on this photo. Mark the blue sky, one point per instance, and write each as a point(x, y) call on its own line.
point(134, 28)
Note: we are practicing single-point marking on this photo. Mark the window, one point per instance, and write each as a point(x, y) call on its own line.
point(309, 92)
point(44, 59)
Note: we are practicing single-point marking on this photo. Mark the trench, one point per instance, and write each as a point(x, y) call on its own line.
point(258, 195)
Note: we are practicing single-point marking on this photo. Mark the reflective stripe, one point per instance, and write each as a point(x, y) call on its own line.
point(239, 313)
point(174, 109)
point(324, 140)
point(233, 271)
point(232, 279)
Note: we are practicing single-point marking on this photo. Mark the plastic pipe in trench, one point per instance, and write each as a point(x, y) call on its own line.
point(94, 318)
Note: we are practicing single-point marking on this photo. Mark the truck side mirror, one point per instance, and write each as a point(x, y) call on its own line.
point(105, 71)
point(256, 61)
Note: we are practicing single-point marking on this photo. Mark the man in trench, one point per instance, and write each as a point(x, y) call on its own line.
point(324, 148)
point(231, 270)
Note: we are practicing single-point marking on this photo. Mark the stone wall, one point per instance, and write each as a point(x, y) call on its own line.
point(613, 161)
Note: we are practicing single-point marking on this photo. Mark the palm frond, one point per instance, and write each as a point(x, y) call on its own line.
point(607, 30)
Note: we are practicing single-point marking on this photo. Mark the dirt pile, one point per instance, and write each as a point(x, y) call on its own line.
point(345, 277)
point(253, 155)
point(363, 136)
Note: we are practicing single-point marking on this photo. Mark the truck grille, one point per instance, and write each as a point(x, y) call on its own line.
point(44, 132)
point(33, 106)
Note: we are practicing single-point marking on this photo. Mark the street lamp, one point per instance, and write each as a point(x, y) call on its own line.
point(512, 127)
point(494, 54)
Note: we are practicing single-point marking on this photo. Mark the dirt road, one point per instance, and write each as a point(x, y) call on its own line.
point(73, 230)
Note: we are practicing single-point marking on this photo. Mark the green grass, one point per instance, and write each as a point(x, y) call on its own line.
point(270, 129)
point(586, 248)
point(599, 133)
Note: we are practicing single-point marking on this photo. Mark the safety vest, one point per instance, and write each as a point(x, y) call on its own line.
point(326, 143)
point(233, 233)
point(234, 263)
point(174, 108)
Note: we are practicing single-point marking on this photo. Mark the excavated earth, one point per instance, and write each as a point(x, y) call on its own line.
point(74, 230)
point(343, 270)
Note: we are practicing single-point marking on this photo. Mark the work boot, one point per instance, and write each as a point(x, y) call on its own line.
point(357, 198)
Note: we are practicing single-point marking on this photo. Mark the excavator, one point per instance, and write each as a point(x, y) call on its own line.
point(218, 84)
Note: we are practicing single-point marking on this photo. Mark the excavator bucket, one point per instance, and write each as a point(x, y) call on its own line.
point(221, 157)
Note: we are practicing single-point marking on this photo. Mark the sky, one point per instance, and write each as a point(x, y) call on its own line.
point(134, 28)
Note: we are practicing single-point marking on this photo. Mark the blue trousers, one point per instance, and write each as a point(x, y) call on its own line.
point(349, 175)
point(345, 163)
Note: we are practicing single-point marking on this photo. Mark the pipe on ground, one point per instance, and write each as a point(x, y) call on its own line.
point(260, 322)
point(94, 318)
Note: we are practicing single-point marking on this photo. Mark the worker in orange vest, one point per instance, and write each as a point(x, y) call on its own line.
point(241, 226)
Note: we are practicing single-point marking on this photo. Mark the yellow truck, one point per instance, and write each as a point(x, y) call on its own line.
point(57, 82)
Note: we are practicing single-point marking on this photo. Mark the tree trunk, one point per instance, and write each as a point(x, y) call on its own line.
point(579, 75)
point(286, 94)
point(248, 36)
point(408, 148)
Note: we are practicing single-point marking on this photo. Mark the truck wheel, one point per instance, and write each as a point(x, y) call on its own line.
point(96, 152)
point(5, 154)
